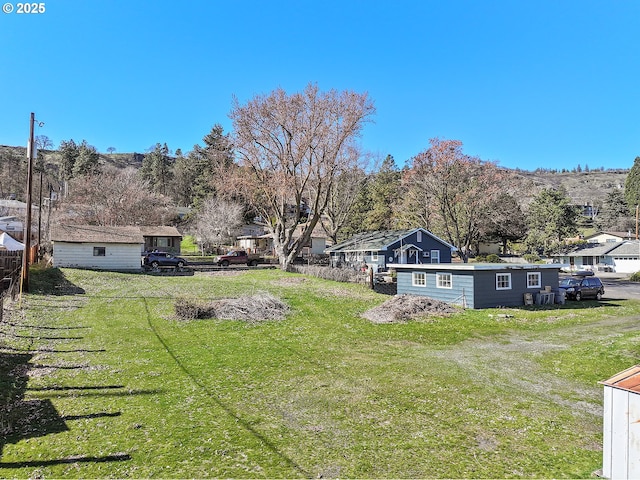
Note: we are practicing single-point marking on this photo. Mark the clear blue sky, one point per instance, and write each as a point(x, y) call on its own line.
point(528, 84)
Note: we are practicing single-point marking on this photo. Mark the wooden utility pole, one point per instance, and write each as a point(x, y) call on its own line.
point(27, 228)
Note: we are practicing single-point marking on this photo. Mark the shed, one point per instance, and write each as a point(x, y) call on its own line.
point(97, 247)
point(477, 285)
point(621, 425)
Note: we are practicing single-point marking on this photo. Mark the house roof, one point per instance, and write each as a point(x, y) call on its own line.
point(96, 234)
point(629, 247)
point(628, 379)
point(477, 266)
point(161, 231)
point(622, 235)
point(376, 241)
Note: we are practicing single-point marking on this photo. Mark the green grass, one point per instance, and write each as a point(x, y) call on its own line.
point(120, 388)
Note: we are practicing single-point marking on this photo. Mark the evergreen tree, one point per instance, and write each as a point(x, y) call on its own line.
point(156, 169)
point(614, 214)
point(632, 185)
point(87, 160)
point(383, 193)
point(551, 218)
point(68, 154)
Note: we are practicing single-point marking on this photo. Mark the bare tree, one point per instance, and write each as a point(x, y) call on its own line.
point(342, 198)
point(291, 149)
point(218, 221)
point(115, 197)
point(461, 189)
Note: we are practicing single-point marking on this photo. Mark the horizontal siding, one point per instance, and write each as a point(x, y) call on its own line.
point(460, 293)
point(80, 255)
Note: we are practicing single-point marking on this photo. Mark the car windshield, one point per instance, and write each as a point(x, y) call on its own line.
point(569, 282)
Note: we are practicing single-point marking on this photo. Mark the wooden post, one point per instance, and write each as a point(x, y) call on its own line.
point(27, 228)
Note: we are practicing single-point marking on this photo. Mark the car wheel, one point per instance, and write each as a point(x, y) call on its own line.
point(224, 263)
point(180, 264)
point(578, 296)
point(599, 296)
point(253, 263)
point(155, 264)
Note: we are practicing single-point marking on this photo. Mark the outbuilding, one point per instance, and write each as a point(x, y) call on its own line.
point(621, 425)
point(97, 247)
point(480, 285)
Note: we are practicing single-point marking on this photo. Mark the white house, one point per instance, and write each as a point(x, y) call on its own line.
point(96, 247)
point(616, 256)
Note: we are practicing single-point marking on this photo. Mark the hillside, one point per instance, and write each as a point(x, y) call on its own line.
point(583, 187)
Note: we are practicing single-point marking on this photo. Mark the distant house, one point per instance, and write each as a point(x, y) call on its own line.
point(477, 285)
point(13, 226)
point(617, 256)
point(95, 247)
point(163, 238)
point(609, 237)
point(377, 250)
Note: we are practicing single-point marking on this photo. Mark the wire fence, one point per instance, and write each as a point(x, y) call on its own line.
point(10, 274)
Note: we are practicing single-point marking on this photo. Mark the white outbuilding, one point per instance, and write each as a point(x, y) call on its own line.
point(97, 247)
point(621, 425)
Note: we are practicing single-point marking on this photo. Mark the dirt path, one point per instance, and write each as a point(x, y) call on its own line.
point(510, 361)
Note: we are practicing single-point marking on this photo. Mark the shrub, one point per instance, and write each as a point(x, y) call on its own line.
point(532, 258)
point(635, 277)
point(493, 258)
point(347, 275)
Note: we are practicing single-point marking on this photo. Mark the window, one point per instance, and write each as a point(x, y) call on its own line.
point(503, 281)
point(99, 251)
point(419, 236)
point(534, 280)
point(419, 279)
point(435, 256)
point(444, 280)
point(374, 256)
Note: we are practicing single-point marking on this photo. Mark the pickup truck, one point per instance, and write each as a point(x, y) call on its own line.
point(237, 257)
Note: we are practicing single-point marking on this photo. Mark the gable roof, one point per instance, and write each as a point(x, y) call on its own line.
point(380, 240)
point(629, 247)
point(161, 231)
point(96, 234)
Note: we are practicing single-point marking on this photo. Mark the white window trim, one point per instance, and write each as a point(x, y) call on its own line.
point(435, 256)
point(439, 275)
point(374, 256)
point(508, 275)
point(538, 276)
point(415, 275)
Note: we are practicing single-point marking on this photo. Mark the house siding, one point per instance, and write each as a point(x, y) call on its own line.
point(427, 244)
point(475, 288)
point(460, 293)
point(80, 255)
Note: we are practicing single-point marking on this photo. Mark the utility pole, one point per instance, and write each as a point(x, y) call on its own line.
point(27, 229)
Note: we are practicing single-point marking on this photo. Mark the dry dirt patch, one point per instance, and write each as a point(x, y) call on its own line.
point(402, 308)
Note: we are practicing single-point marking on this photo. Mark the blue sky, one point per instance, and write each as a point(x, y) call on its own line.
point(528, 84)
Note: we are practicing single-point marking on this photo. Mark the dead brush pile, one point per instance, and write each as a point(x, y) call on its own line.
point(402, 308)
point(255, 308)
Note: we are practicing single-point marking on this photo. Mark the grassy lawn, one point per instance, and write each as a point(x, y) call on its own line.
point(118, 387)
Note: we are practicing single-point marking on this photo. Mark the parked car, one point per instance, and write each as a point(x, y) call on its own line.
point(237, 257)
point(577, 288)
point(163, 259)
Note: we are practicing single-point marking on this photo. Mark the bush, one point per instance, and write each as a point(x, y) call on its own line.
point(635, 277)
point(532, 258)
point(493, 258)
point(346, 275)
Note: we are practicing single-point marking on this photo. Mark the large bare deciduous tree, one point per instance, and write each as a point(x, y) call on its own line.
point(114, 197)
point(461, 189)
point(290, 151)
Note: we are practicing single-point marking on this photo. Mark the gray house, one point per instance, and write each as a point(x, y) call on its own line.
point(615, 256)
point(480, 285)
point(377, 250)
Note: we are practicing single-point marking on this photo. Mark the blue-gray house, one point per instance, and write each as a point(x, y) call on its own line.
point(376, 250)
point(479, 285)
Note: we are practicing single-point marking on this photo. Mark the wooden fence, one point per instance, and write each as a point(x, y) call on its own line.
point(10, 274)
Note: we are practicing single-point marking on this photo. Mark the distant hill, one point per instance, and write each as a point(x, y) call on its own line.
point(583, 187)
